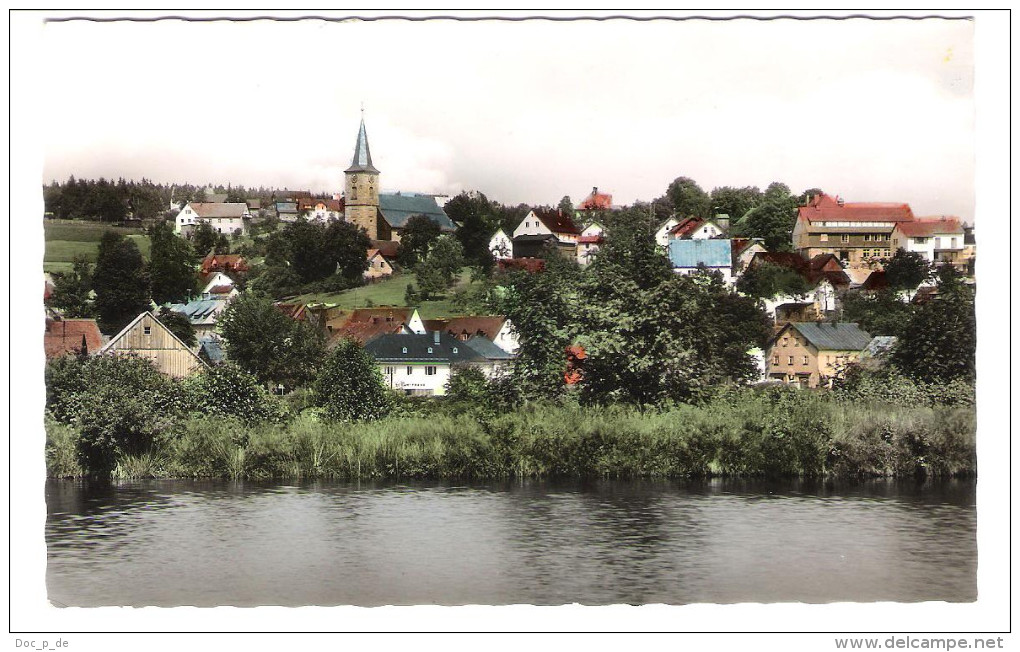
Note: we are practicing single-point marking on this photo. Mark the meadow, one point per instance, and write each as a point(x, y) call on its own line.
point(390, 292)
point(66, 239)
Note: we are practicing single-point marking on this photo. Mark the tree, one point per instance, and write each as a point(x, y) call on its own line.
point(72, 290)
point(735, 202)
point(906, 270)
point(171, 265)
point(878, 313)
point(542, 307)
point(204, 238)
point(415, 240)
point(345, 246)
point(119, 281)
point(179, 325)
point(651, 335)
point(477, 219)
point(350, 386)
point(439, 271)
point(266, 343)
point(938, 344)
point(688, 199)
point(566, 206)
point(766, 281)
point(773, 221)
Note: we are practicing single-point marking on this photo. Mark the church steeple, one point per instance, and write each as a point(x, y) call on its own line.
point(361, 187)
point(362, 154)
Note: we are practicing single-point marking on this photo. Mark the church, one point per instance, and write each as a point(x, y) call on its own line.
point(383, 215)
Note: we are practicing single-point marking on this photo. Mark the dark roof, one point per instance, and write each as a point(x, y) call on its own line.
point(833, 336)
point(362, 161)
point(211, 349)
point(64, 336)
point(542, 237)
point(557, 221)
point(432, 347)
point(397, 208)
point(388, 248)
point(487, 349)
point(875, 281)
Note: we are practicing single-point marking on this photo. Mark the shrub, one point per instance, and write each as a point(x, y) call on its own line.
point(350, 387)
point(227, 390)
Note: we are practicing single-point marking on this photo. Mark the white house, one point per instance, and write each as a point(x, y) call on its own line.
point(501, 246)
point(223, 217)
point(589, 242)
point(822, 299)
point(689, 256)
point(321, 210)
point(695, 228)
point(378, 266)
point(662, 235)
point(217, 279)
point(938, 239)
point(421, 365)
point(541, 222)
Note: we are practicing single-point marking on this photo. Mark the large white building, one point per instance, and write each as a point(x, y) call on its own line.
point(223, 217)
point(421, 365)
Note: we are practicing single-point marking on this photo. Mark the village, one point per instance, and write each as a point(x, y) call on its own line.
point(837, 250)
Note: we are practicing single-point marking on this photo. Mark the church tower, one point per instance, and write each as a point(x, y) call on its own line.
point(361, 188)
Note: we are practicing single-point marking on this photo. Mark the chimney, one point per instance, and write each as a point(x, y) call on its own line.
point(594, 190)
point(839, 200)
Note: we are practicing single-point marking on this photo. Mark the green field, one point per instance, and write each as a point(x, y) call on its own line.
point(390, 292)
point(66, 239)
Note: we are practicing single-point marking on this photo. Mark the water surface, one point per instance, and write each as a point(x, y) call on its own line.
point(170, 543)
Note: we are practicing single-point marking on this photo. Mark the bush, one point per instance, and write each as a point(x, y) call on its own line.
point(350, 387)
point(229, 391)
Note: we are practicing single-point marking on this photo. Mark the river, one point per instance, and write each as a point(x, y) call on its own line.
point(208, 543)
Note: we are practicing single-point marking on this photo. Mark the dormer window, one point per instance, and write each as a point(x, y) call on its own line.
point(454, 349)
point(430, 349)
point(404, 350)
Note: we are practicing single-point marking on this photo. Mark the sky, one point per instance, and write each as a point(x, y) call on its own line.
point(523, 111)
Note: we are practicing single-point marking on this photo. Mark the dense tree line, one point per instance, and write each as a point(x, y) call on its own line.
point(111, 201)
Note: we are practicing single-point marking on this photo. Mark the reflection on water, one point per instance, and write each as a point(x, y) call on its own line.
point(220, 543)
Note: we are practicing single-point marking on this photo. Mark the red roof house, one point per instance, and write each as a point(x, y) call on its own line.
point(71, 337)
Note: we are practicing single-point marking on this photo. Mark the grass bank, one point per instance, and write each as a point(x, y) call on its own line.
point(66, 239)
point(390, 292)
point(810, 436)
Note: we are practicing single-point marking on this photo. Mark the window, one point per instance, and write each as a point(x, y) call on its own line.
point(454, 349)
point(430, 371)
point(920, 240)
point(844, 238)
point(790, 361)
point(404, 350)
point(823, 237)
point(148, 330)
point(430, 349)
point(409, 370)
point(805, 361)
point(786, 341)
point(389, 371)
point(867, 237)
point(775, 360)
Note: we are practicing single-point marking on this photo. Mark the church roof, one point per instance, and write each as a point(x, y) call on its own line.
point(362, 155)
point(398, 208)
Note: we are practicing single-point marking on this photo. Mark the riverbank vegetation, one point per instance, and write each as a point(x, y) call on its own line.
point(771, 431)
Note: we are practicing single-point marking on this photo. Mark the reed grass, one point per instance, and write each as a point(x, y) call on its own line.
point(793, 434)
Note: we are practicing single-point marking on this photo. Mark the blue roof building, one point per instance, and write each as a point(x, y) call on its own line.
point(687, 256)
